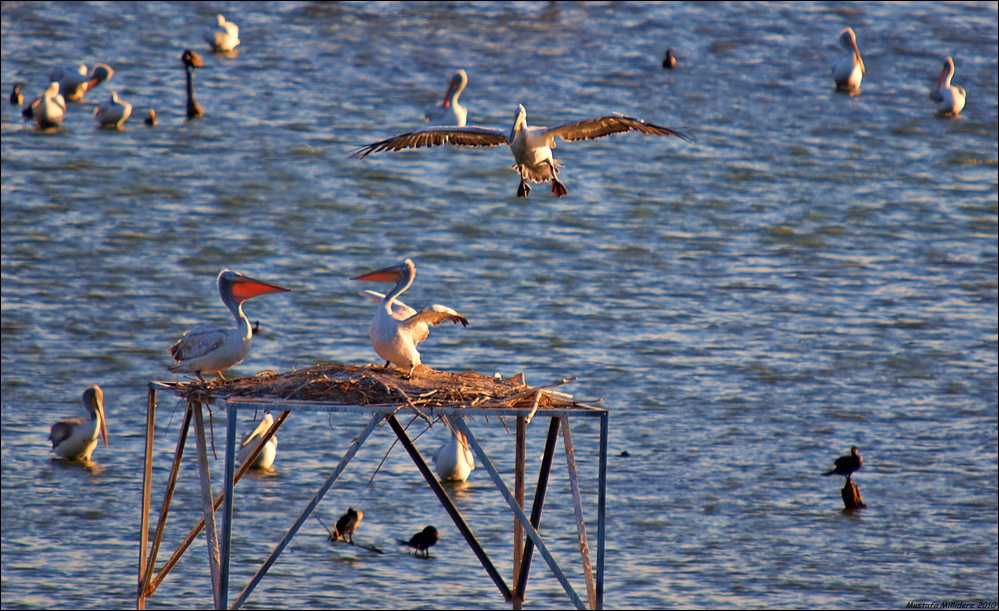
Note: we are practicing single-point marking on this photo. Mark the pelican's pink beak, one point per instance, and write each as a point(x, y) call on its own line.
point(447, 94)
point(244, 288)
point(95, 395)
point(943, 75)
point(389, 274)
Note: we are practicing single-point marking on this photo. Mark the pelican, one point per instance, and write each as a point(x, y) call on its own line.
point(16, 97)
point(849, 71)
point(531, 146)
point(454, 460)
point(222, 37)
point(449, 111)
point(113, 113)
point(49, 109)
point(847, 465)
point(213, 348)
point(75, 438)
point(949, 98)
point(398, 328)
point(192, 60)
point(252, 439)
point(75, 82)
point(423, 541)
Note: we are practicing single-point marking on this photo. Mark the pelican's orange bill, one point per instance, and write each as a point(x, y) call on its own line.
point(389, 274)
point(245, 288)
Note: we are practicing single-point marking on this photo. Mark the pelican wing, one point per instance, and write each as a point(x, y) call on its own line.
point(199, 341)
point(598, 127)
point(400, 311)
point(433, 316)
point(63, 430)
point(436, 136)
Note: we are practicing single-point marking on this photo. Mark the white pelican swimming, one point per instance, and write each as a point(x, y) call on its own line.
point(75, 82)
point(191, 60)
point(449, 111)
point(222, 37)
point(214, 348)
point(252, 439)
point(398, 328)
point(113, 112)
point(949, 98)
point(76, 438)
point(531, 146)
point(49, 109)
point(454, 460)
point(849, 71)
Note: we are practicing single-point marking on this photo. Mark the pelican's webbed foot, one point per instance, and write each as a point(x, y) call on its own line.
point(524, 189)
point(558, 188)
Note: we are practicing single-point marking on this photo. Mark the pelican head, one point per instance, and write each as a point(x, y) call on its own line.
point(519, 121)
point(458, 83)
point(849, 41)
point(394, 273)
point(190, 59)
point(239, 288)
point(946, 74)
point(93, 401)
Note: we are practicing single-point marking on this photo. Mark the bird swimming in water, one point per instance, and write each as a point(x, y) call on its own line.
point(113, 113)
point(448, 111)
point(49, 109)
point(76, 438)
point(454, 460)
point(74, 81)
point(192, 60)
point(423, 541)
point(849, 71)
point(669, 62)
point(847, 465)
point(222, 37)
point(16, 97)
point(346, 525)
point(950, 99)
point(150, 119)
point(252, 439)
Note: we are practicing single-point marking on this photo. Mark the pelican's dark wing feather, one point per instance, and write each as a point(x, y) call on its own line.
point(436, 136)
point(598, 127)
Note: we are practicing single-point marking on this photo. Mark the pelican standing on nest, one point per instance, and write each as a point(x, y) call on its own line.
point(192, 60)
point(398, 328)
point(113, 113)
point(454, 460)
point(252, 439)
point(49, 109)
point(949, 98)
point(75, 82)
point(849, 71)
point(222, 37)
point(449, 111)
point(75, 439)
point(214, 348)
point(531, 146)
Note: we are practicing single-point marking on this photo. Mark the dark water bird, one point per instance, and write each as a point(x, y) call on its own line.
point(49, 109)
point(192, 60)
point(16, 97)
point(214, 348)
point(256, 327)
point(150, 119)
point(345, 526)
point(423, 541)
point(76, 438)
point(847, 465)
point(74, 81)
point(849, 71)
point(669, 62)
point(531, 146)
point(949, 98)
point(449, 111)
point(222, 37)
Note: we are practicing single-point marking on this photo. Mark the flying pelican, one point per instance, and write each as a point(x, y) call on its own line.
point(849, 71)
point(113, 113)
point(49, 109)
point(213, 348)
point(75, 439)
point(949, 98)
point(398, 328)
point(192, 60)
point(346, 524)
point(454, 460)
point(449, 111)
point(222, 37)
point(252, 439)
point(531, 146)
point(16, 97)
point(423, 540)
point(75, 82)
point(847, 465)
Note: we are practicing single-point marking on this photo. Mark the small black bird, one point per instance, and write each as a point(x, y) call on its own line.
point(848, 465)
point(192, 60)
point(16, 97)
point(150, 119)
point(423, 540)
point(346, 524)
point(669, 62)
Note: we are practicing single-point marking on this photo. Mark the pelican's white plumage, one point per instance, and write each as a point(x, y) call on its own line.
point(950, 99)
point(449, 112)
point(49, 109)
point(222, 37)
point(531, 146)
point(113, 112)
point(75, 439)
point(398, 328)
point(74, 81)
point(454, 460)
point(849, 71)
point(252, 439)
point(214, 348)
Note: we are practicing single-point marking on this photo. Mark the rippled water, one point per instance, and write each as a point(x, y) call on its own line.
point(816, 271)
